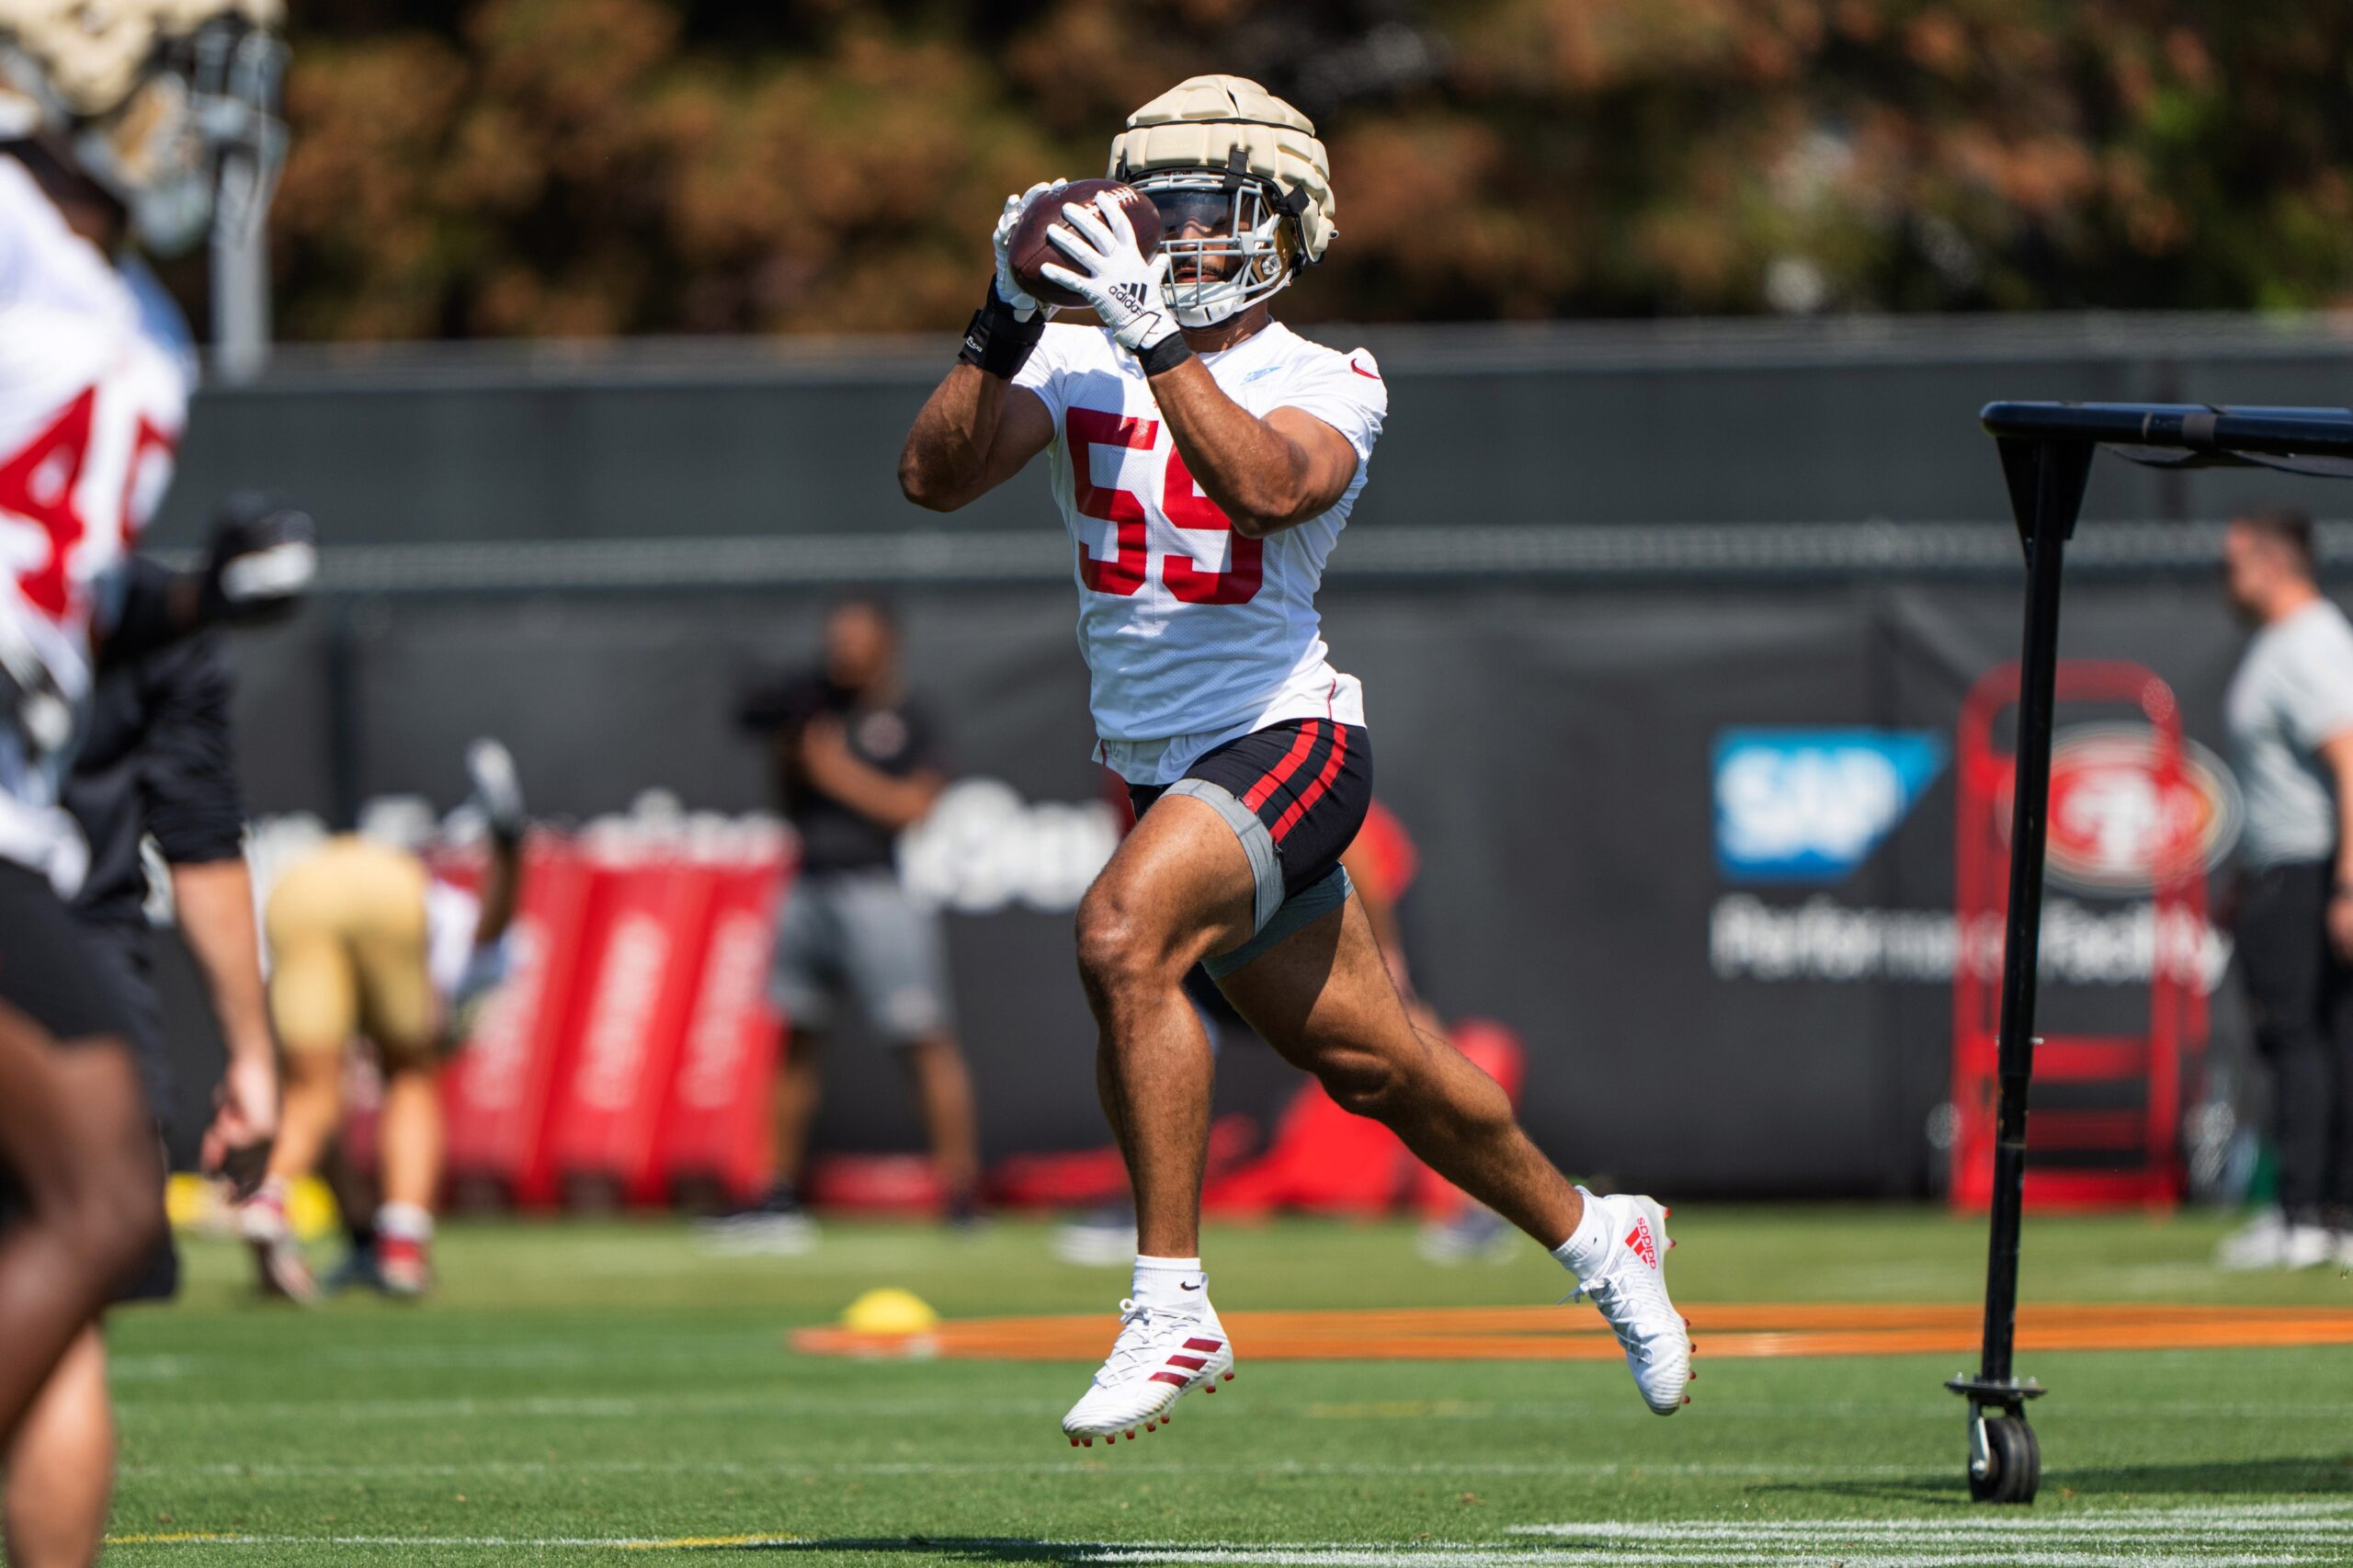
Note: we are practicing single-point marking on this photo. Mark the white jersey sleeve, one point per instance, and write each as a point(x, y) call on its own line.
point(1042, 372)
point(1343, 390)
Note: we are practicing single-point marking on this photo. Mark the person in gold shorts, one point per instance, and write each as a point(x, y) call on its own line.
point(365, 943)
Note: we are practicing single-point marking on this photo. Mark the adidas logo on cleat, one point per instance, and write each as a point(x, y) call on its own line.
point(1645, 1245)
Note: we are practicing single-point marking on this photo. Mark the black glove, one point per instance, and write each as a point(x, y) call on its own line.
point(262, 559)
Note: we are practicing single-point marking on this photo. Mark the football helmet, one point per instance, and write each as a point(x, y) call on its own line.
point(155, 100)
point(1243, 189)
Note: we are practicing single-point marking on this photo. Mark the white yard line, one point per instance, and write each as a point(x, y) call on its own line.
point(1089, 1469)
point(1305, 1555)
point(2228, 1536)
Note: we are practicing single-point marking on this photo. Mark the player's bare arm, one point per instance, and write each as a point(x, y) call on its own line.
point(1268, 474)
point(2337, 754)
point(215, 903)
point(977, 430)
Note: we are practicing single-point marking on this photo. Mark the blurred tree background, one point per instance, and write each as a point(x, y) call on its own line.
point(585, 168)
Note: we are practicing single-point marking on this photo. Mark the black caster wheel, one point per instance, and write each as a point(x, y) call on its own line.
point(2013, 1462)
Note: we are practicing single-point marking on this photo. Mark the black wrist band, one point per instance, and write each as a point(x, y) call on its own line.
point(1166, 355)
point(998, 341)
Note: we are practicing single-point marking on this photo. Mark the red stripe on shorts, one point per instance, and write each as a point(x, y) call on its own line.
point(1314, 793)
point(1303, 742)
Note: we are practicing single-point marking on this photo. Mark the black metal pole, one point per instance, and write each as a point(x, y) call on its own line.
point(2022, 937)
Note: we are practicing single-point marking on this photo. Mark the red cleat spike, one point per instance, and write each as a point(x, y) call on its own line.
point(1665, 1213)
point(1074, 1442)
point(1686, 1399)
point(1229, 1377)
point(1088, 1442)
point(1131, 1434)
point(1209, 1388)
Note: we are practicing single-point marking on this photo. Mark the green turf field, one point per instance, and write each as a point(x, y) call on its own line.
point(578, 1391)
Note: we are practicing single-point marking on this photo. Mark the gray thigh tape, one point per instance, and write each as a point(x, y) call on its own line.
point(1266, 872)
point(1305, 906)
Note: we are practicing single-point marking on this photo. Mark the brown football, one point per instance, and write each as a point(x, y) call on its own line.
point(1029, 249)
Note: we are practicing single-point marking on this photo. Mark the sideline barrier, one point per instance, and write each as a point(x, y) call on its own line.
point(495, 1092)
point(629, 1056)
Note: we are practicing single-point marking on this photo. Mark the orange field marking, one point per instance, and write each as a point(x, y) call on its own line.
point(1557, 1334)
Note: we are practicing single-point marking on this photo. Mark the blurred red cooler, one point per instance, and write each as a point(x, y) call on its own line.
point(496, 1092)
point(715, 1132)
point(642, 957)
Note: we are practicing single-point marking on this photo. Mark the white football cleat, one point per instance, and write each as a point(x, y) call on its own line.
point(2268, 1241)
point(280, 1269)
point(1631, 1290)
point(1158, 1357)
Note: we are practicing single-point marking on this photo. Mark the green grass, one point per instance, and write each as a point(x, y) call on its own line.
point(582, 1384)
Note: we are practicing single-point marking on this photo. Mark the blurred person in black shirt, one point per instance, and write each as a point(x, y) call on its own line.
point(856, 764)
point(159, 759)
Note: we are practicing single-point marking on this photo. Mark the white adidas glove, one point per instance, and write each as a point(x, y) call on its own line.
point(1112, 275)
point(1010, 292)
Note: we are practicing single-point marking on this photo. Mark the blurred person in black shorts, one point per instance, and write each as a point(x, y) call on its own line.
point(158, 758)
point(2290, 712)
point(856, 763)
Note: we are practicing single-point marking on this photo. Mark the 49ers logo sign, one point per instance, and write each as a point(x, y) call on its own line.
point(2121, 820)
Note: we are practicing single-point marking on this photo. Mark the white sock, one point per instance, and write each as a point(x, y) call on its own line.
point(403, 1223)
point(1587, 1252)
point(1170, 1284)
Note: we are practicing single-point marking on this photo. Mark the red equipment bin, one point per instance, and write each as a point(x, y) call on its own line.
point(2089, 1157)
point(643, 958)
point(714, 1137)
point(496, 1093)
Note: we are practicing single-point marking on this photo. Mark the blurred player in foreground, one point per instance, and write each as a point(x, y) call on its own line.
point(2290, 712)
point(116, 122)
point(857, 763)
point(366, 943)
point(159, 759)
point(1205, 458)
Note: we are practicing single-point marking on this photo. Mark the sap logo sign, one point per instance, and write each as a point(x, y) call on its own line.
point(1811, 805)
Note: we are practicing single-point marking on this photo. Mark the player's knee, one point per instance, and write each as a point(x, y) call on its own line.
point(1118, 951)
point(1361, 1082)
point(110, 1208)
point(136, 1223)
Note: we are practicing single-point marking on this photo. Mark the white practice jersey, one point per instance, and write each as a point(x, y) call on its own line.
point(1193, 634)
point(94, 384)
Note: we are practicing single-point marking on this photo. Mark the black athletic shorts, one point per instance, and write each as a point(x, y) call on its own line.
point(124, 955)
point(47, 969)
point(1295, 793)
point(55, 973)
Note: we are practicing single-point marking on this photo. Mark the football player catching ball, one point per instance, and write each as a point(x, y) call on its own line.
point(1205, 458)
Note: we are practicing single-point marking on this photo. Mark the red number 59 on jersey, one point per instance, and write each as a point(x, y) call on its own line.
point(1181, 503)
